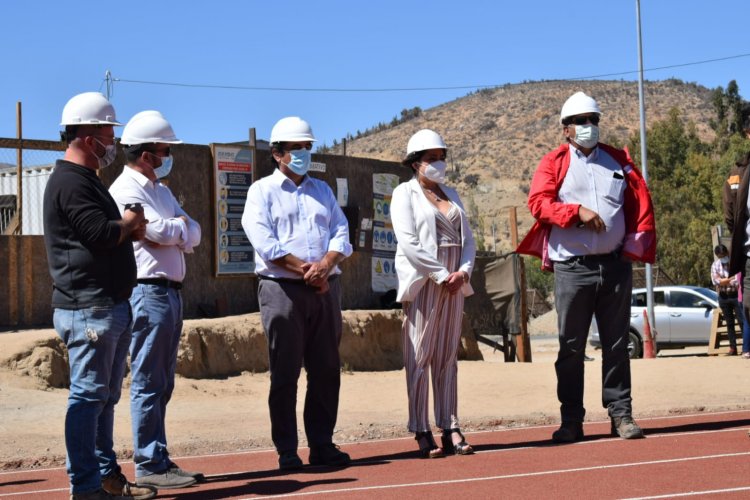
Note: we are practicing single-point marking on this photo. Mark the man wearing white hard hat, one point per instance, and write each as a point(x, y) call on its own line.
point(594, 217)
point(300, 235)
point(91, 261)
point(156, 300)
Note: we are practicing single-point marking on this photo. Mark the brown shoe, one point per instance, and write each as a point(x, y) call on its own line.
point(99, 494)
point(626, 428)
point(117, 484)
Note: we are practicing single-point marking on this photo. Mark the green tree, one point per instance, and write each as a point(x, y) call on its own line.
point(537, 279)
point(687, 197)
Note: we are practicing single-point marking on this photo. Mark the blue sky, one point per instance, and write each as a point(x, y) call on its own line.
point(54, 50)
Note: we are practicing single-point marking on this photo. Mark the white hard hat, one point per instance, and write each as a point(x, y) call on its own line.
point(89, 108)
point(292, 129)
point(423, 140)
point(578, 104)
point(148, 127)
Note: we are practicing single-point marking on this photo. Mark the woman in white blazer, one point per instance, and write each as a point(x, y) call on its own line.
point(434, 259)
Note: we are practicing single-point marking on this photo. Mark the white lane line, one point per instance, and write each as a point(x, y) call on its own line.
point(692, 493)
point(508, 476)
point(37, 492)
point(409, 438)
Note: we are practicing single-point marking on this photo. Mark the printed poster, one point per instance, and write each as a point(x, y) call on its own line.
point(383, 238)
point(233, 175)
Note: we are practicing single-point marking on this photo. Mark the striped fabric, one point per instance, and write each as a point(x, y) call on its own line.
point(431, 335)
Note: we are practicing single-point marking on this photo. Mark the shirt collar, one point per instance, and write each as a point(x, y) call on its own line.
point(279, 178)
point(579, 154)
point(138, 177)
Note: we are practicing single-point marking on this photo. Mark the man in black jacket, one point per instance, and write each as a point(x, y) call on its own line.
point(91, 261)
point(736, 217)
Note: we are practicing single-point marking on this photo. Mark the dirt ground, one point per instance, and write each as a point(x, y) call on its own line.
point(229, 414)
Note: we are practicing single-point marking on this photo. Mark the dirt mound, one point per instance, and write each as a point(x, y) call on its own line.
point(43, 359)
point(370, 341)
point(216, 348)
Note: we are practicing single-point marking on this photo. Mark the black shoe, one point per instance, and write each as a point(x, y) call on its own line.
point(427, 446)
point(569, 432)
point(289, 460)
point(462, 448)
point(626, 428)
point(167, 480)
point(198, 476)
point(328, 454)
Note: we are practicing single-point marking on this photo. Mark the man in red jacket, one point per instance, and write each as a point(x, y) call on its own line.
point(594, 216)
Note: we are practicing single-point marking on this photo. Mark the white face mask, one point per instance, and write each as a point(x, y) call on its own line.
point(166, 166)
point(435, 171)
point(587, 136)
point(109, 154)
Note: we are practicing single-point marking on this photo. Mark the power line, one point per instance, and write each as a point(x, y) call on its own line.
point(111, 80)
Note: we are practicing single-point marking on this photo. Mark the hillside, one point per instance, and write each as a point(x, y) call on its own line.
point(496, 137)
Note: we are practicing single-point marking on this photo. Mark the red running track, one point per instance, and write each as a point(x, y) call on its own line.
point(703, 455)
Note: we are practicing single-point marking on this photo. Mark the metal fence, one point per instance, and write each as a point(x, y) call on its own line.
point(23, 214)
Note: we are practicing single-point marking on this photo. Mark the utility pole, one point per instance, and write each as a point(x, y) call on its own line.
point(644, 159)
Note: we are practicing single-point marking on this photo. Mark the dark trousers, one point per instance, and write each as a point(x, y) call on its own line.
point(302, 328)
point(600, 289)
point(731, 309)
point(746, 299)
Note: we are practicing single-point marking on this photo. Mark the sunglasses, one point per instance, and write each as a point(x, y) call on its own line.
point(583, 120)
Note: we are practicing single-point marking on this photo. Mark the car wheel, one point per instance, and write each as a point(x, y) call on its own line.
point(635, 346)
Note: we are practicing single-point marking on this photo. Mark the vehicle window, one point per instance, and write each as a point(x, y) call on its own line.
point(684, 299)
point(639, 299)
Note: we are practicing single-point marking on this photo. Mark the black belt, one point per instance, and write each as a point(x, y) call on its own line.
point(292, 281)
point(161, 282)
point(599, 257)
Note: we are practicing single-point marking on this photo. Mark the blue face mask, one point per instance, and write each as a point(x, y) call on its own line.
point(300, 162)
point(166, 167)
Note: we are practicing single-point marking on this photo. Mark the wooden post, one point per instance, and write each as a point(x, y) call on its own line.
point(523, 346)
point(13, 280)
point(252, 141)
point(343, 145)
point(19, 170)
point(27, 268)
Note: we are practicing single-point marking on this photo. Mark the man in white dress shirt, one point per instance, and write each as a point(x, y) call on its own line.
point(156, 300)
point(300, 235)
point(594, 217)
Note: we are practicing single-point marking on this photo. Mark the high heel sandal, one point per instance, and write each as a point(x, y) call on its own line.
point(461, 448)
point(427, 446)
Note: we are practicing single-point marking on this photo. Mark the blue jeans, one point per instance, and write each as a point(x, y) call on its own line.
point(97, 339)
point(157, 325)
point(732, 311)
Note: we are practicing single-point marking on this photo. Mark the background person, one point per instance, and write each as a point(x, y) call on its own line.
point(156, 300)
point(91, 261)
point(434, 259)
point(736, 217)
point(594, 216)
point(300, 235)
point(727, 287)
